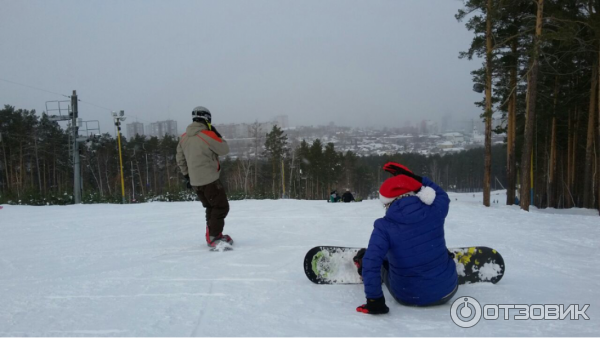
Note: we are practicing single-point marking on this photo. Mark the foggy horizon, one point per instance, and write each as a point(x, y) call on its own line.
point(356, 64)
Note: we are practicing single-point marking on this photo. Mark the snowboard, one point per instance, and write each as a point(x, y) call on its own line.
point(334, 265)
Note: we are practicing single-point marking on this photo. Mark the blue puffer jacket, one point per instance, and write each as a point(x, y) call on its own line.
point(411, 238)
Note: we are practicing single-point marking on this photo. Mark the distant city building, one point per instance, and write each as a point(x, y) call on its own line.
point(161, 128)
point(446, 123)
point(428, 127)
point(464, 126)
point(243, 130)
point(424, 137)
point(268, 126)
point(282, 121)
point(478, 138)
point(446, 145)
point(229, 130)
point(454, 137)
point(135, 128)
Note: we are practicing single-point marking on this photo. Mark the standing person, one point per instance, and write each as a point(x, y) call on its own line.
point(198, 154)
point(347, 196)
point(407, 250)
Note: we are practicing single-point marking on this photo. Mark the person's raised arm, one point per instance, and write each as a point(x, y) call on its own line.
point(216, 143)
point(441, 203)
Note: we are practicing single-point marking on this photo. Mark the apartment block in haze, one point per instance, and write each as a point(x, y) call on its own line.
point(161, 128)
point(282, 121)
point(135, 128)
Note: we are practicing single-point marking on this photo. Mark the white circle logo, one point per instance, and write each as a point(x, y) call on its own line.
point(465, 312)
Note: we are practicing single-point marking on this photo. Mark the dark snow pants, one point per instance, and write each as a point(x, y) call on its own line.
point(214, 200)
point(386, 280)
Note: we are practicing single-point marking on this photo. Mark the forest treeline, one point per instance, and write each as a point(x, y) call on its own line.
point(36, 167)
point(540, 73)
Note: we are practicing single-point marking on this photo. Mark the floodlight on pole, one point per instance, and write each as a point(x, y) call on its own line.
point(118, 119)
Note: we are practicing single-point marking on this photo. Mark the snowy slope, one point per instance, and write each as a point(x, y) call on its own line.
point(144, 270)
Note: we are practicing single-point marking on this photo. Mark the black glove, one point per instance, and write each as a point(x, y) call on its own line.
point(358, 260)
point(215, 131)
point(398, 169)
point(187, 182)
point(374, 306)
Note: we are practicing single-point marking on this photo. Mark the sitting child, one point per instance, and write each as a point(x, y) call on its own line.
point(407, 249)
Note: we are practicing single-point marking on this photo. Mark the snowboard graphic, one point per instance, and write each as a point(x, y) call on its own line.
point(334, 265)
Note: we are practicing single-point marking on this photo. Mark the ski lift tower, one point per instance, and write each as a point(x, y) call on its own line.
point(61, 111)
point(66, 113)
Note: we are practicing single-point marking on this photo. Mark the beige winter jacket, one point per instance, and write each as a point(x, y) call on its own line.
point(198, 154)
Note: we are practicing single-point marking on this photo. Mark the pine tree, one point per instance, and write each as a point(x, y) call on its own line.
point(275, 150)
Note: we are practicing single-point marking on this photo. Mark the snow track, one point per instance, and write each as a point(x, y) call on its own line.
point(144, 270)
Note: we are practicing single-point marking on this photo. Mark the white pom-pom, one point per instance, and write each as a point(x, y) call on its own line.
point(426, 195)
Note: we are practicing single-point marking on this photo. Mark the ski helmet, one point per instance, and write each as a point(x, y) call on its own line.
point(201, 113)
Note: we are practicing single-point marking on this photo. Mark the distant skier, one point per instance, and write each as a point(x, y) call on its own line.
point(334, 197)
point(407, 249)
point(347, 196)
point(198, 154)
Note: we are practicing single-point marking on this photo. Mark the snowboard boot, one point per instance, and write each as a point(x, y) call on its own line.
point(358, 260)
point(213, 241)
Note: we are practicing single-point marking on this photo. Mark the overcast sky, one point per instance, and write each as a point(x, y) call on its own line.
point(355, 63)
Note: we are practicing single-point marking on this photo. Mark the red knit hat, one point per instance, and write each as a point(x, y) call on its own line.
point(397, 186)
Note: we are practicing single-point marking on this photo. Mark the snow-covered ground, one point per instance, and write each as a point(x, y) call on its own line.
point(144, 270)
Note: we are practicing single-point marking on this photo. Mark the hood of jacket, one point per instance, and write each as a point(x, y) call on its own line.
point(195, 128)
point(407, 210)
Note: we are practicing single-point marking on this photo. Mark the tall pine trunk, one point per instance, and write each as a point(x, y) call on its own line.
point(552, 167)
point(106, 171)
point(588, 182)
point(575, 141)
point(37, 162)
point(99, 175)
point(140, 178)
point(55, 176)
point(511, 161)
point(566, 184)
point(6, 166)
point(167, 171)
point(21, 170)
point(44, 178)
point(552, 162)
point(526, 162)
point(487, 173)
point(273, 183)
